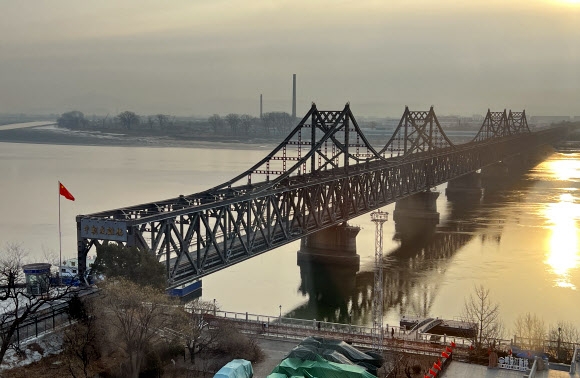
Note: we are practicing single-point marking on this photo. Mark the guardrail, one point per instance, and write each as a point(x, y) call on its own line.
point(561, 350)
point(575, 360)
point(43, 322)
point(532, 372)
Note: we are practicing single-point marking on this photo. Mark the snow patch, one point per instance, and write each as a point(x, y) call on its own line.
point(49, 344)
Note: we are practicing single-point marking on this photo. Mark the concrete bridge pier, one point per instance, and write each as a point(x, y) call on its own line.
point(466, 186)
point(495, 177)
point(335, 245)
point(416, 216)
point(497, 170)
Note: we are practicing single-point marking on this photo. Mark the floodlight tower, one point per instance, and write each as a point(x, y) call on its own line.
point(378, 217)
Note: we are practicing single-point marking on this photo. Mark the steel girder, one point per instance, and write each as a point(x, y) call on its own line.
point(517, 122)
point(194, 241)
point(418, 131)
point(502, 124)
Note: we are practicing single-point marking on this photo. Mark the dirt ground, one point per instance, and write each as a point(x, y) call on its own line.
point(54, 366)
point(275, 350)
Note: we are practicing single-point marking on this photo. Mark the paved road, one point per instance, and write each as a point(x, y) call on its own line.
point(275, 351)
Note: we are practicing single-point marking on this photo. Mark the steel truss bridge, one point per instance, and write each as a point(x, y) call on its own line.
point(324, 173)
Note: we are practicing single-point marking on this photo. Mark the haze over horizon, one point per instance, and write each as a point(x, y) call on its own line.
point(206, 57)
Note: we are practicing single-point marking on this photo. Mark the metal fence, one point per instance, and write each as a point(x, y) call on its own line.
point(43, 322)
point(560, 350)
point(395, 337)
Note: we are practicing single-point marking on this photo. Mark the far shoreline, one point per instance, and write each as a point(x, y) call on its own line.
point(40, 135)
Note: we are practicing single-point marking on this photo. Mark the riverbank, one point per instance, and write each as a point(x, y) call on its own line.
point(54, 135)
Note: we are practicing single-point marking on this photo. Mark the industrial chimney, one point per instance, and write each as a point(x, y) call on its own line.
point(294, 96)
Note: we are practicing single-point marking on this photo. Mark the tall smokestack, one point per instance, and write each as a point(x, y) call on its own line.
point(294, 96)
point(260, 106)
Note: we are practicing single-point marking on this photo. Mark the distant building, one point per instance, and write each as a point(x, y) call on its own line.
point(547, 120)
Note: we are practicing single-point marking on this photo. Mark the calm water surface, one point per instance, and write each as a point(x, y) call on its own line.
point(520, 241)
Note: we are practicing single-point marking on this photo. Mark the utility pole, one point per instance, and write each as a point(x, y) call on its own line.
point(378, 217)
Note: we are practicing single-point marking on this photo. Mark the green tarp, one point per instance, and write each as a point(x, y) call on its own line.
point(295, 367)
point(236, 369)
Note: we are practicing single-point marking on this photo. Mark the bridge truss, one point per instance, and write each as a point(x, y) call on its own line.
point(324, 173)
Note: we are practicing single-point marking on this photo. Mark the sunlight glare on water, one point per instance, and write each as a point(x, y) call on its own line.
point(562, 252)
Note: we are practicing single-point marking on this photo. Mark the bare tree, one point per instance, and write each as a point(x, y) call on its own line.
point(50, 256)
point(136, 315)
point(16, 304)
point(246, 122)
point(216, 123)
point(278, 121)
point(195, 328)
point(128, 119)
point(150, 122)
point(480, 309)
point(72, 120)
point(563, 337)
point(234, 121)
point(81, 343)
point(163, 120)
point(532, 331)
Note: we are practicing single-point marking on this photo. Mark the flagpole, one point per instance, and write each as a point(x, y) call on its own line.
point(59, 241)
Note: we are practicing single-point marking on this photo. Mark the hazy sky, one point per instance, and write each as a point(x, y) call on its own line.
point(216, 56)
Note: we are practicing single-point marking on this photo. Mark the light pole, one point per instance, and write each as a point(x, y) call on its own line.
point(280, 311)
point(350, 321)
point(559, 331)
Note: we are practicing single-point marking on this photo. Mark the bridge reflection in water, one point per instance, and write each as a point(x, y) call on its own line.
point(411, 272)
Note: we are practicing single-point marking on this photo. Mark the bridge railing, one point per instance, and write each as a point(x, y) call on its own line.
point(360, 336)
point(303, 323)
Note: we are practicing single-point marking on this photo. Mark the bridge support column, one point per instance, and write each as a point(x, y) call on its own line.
point(416, 214)
point(496, 176)
point(332, 246)
point(466, 186)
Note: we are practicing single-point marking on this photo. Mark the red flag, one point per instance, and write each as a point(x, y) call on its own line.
point(432, 372)
point(436, 366)
point(453, 344)
point(448, 350)
point(64, 192)
point(444, 354)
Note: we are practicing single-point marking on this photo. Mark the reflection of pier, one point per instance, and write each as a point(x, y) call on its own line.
point(411, 271)
point(338, 294)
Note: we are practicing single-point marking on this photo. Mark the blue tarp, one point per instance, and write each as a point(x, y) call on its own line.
point(236, 369)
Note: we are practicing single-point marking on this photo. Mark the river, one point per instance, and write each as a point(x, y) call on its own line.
point(520, 241)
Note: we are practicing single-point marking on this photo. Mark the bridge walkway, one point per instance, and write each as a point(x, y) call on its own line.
point(358, 336)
